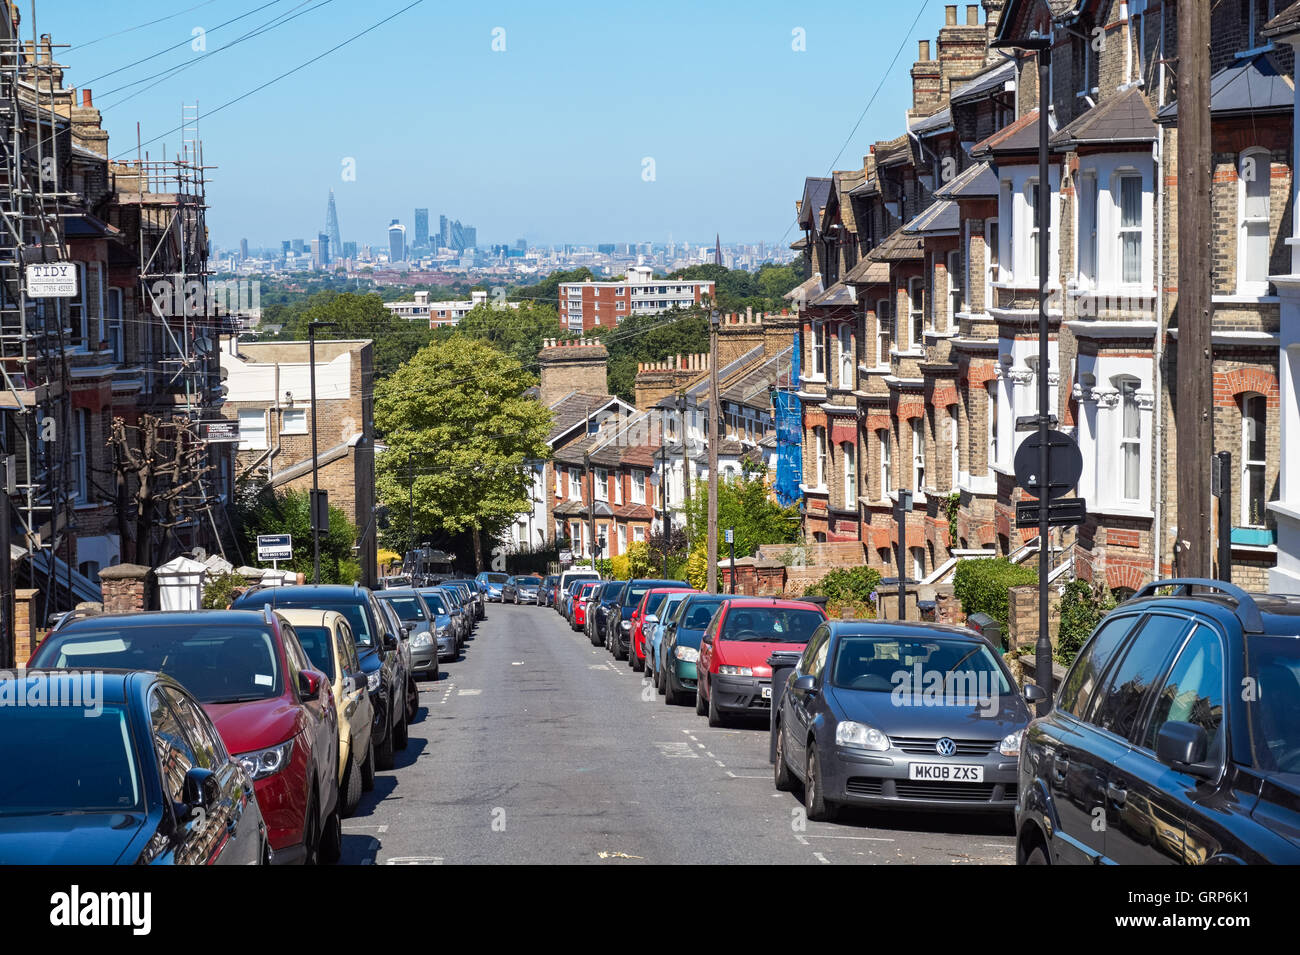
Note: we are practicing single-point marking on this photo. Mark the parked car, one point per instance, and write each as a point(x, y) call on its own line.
point(1174, 736)
point(734, 676)
point(566, 608)
point(655, 635)
point(898, 714)
point(599, 608)
point(679, 650)
point(546, 592)
point(331, 648)
point(461, 612)
point(394, 625)
point(387, 683)
point(621, 620)
point(525, 589)
point(568, 577)
point(475, 595)
point(445, 627)
point(272, 709)
point(578, 618)
point(646, 612)
point(148, 780)
point(493, 585)
point(421, 626)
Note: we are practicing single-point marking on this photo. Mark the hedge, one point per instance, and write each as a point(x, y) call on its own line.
point(983, 584)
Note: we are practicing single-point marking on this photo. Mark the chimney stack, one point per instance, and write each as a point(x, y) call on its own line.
point(923, 51)
point(972, 14)
point(950, 15)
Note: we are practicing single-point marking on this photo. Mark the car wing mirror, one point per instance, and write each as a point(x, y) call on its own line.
point(390, 642)
point(1034, 693)
point(1183, 746)
point(200, 791)
point(805, 684)
point(310, 683)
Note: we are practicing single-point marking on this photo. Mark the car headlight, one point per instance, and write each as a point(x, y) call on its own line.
point(372, 682)
point(860, 736)
point(1010, 745)
point(686, 654)
point(727, 670)
point(626, 625)
point(444, 629)
point(421, 639)
point(266, 762)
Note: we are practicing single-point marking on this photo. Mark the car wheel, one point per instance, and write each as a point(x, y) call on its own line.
point(701, 704)
point(715, 717)
point(412, 701)
point(781, 777)
point(350, 795)
point(384, 754)
point(311, 832)
point(592, 638)
point(670, 695)
point(401, 734)
point(332, 840)
point(819, 808)
point(635, 662)
point(368, 767)
point(1037, 857)
point(267, 856)
point(618, 649)
point(661, 681)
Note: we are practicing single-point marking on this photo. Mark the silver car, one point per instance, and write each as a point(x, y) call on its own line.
point(523, 590)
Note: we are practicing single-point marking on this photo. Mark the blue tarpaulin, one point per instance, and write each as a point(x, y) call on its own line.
point(789, 439)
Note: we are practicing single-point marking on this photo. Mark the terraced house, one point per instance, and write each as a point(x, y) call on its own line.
point(919, 320)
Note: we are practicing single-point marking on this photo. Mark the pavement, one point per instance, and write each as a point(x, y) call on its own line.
point(536, 747)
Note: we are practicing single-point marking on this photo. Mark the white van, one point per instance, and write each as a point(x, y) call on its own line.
point(568, 577)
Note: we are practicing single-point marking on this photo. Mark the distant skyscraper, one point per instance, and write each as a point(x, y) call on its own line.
point(325, 246)
point(717, 249)
point(243, 248)
point(396, 242)
point(285, 246)
point(297, 246)
point(421, 228)
point(349, 250)
point(332, 226)
point(317, 262)
point(444, 233)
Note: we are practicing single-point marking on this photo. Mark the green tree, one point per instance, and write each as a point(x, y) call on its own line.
point(358, 316)
point(548, 289)
point(260, 510)
point(745, 505)
point(460, 431)
point(517, 332)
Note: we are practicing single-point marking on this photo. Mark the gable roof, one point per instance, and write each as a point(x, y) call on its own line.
point(977, 181)
point(941, 216)
point(815, 191)
point(868, 272)
point(933, 124)
point(899, 247)
point(1248, 87)
point(992, 80)
point(1020, 136)
point(1016, 10)
point(572, 410)
point(1125, 118)
point(1285, 23)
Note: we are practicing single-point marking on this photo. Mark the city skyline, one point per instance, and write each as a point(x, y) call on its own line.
point(713, 164)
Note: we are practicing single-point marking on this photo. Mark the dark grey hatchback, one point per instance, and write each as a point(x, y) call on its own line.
point(1174, 737)
point(908, 715)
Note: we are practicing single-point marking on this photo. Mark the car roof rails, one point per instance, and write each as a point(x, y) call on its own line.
point(1246, 609)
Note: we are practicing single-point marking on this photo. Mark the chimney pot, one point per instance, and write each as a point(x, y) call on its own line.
point(924, 51)
point(972, 14)
point(950, 14)
point(87, 100)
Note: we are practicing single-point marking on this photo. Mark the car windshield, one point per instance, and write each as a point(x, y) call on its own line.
point(94, 769)
point(408, 608)
point(527, 581)
point(435, 604)
point(354, 613)
point(956, 671)
point(697, 614)
point(316, 643)
point(497, 578)
point(670, 605)
point(1273, 665)
point(769, 625)
point(611, 591)
point(652, 603)
point(636, 591)
point(216, 663)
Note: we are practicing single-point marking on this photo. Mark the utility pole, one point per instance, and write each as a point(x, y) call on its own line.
point(1043, 646)
point(591, 496)
point(410, 523)
point(315, 456)
point(714, 436)
point(1195, 442)
point(686, 467)
point(664, 530)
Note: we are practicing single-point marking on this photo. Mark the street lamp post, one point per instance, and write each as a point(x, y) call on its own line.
point(686, 467)
point(315, 457)
point(714, 436)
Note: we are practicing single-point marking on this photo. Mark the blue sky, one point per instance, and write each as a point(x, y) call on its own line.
point(546, 139)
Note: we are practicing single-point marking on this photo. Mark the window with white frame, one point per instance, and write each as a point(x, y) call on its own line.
point(77, 309)
point(638, 487)
point(992, 451)
point(618, 488)
point(1079, 49)
point(1086, 233)
point(918, 455)
point(824, 346)
point(638, 534)
point(116, 325)
point(954, 448)
point(1130, 440)
point(602, 484)
point(622, 538)
point(1254, 444)
point(916, 311)
point(816, 356)
point(882, 333)
point(252, 429)
point(992, 253)
point(575, 484)
point(954, 288)
point(80, 467)
point(846, 356)
point(849, 454)
point(1031, 231)
point(1254, 179)
point(886, 470)
point(1129, 190)
point(819, 440)
point(295, 421)
point(918, 562)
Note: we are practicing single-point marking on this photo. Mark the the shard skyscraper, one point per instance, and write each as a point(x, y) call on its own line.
point(332, 228)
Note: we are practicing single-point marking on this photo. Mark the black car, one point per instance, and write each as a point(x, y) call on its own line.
point(1174, 737)
point(391, 686)
point(902, 715)
point(147, 780)
point(598, 611)
point(619, 626)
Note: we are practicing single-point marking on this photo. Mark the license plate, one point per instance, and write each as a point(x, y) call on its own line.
point(767, 692)
point(946, 772)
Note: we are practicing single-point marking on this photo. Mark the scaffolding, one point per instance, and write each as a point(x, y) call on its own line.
point(35, 407)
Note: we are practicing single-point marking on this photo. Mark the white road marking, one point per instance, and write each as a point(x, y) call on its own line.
point(414, 860)
point(517, 663)
point(676, 750)
point(734, 776)
point(470, 693)
point(821, 858)
point(818, 835)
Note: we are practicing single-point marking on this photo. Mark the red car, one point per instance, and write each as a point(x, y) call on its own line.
point(274, 711)
point(733, 675)
point(649, 604)
point(578, 619)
